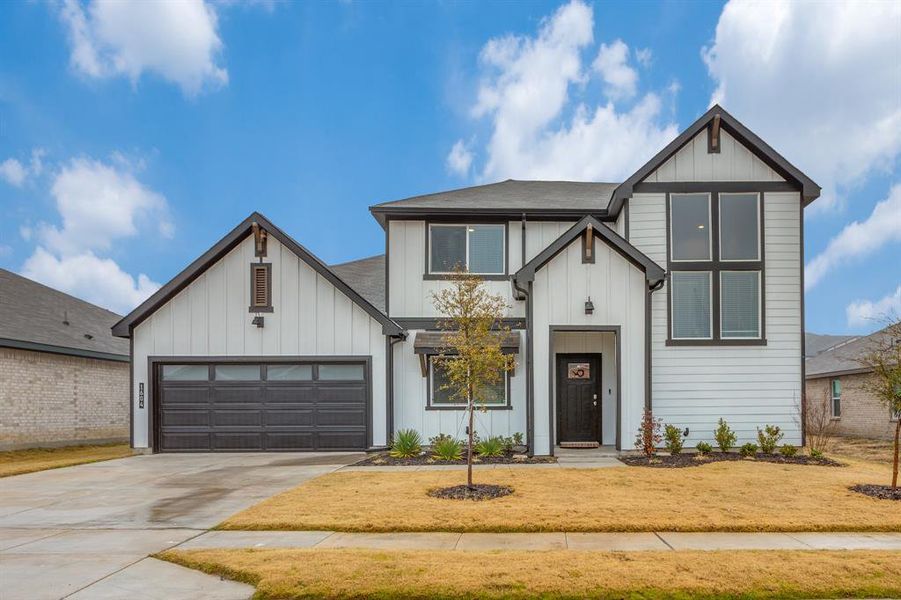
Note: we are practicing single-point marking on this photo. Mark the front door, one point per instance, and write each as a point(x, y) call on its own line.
point(578, 398)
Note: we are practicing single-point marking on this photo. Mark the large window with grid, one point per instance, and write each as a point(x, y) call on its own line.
point(716, 268)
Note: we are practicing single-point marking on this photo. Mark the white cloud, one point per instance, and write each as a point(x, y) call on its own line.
point(99, 204)
point(644, 56)
point(818, 80)
point(525, 92)
point(612, 63)
point(179, 41)
point(459, 159)
point(13, 172)
point(97, 280)
point(859, 239)
point(862, 313)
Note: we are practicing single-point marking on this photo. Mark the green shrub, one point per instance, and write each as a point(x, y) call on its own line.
point(704, 448)
point(788, 450)
point(673, 438)
point(724, 436)
point(518, 439)
point(749, 449)
point(406, 444)
point(444, 447)
point(493, 446)
point(768, 438)
point(816, 453)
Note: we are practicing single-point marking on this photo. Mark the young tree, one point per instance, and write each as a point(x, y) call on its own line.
point(472, 358)
point(883, 358)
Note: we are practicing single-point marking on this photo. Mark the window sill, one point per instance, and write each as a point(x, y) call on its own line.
point(446, 276)
point(739, 342)
point(463, 407)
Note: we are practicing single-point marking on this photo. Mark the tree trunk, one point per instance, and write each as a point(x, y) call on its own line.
point(895, 462)
point(469, 453)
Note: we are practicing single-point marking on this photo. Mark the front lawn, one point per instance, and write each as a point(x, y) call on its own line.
point(17, 462)
point(724, 496)
point(558, 574)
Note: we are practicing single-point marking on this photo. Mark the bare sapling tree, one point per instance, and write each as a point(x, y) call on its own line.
point(821, 427)
point(882, 358)
point(472, 358)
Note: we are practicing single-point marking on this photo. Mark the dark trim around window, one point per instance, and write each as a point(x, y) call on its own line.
point(429, 276)
point(253, 307)
point(508, 405)
point(715, 266)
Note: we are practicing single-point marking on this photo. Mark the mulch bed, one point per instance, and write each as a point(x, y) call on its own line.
point(479, 491)
point(883, 492)
point(678, 461)
point(383, 459)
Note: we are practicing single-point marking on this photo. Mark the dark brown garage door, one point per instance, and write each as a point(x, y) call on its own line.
point(277, 407)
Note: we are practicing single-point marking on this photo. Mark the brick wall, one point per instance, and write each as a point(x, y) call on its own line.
point(862, 414)
point(51, 399)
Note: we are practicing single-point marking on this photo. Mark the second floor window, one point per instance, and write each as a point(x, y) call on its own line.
point(478, 249)
point(716, 267)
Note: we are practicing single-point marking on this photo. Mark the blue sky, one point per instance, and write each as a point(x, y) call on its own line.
point(131, 139)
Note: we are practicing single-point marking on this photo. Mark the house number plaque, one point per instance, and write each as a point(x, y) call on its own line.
point(141, 395)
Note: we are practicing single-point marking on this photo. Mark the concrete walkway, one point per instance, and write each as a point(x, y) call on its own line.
point(620, 542)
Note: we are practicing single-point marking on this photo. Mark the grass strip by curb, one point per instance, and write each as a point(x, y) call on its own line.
point(19, 462)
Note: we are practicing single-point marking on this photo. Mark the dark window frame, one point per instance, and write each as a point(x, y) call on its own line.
point(253, 308)
point(429, 275)
point(715, 266)
point(833, 398)
point(507, 405)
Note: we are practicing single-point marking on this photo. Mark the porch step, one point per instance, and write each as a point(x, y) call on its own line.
point(579, 445)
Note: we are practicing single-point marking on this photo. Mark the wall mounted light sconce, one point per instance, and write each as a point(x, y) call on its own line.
point(589, 307)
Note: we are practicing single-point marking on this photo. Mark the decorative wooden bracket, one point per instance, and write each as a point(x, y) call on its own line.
point(588, 245)
point(259, 240)
point(713, 136)
point(424, 364)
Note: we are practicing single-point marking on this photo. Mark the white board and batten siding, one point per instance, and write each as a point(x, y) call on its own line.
point(210, 318)
point(748, 386)
point(561, 287)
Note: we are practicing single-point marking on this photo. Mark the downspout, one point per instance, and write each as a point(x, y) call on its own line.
point(530, 420)
point(389, 399)
point(647, 343)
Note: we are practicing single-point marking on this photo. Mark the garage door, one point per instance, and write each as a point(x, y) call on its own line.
point(247, 407)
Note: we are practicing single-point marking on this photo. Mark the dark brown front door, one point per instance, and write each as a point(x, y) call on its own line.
point(578, 398)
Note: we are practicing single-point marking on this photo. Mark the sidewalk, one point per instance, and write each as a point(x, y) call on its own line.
point(620, 542)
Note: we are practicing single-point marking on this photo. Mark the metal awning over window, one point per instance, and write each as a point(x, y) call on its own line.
point(434, 342)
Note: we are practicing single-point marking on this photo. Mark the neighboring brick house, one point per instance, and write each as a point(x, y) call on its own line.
point(834, 376)
point(63, 376)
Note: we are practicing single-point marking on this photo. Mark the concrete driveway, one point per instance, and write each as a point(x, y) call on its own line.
point(86, 531)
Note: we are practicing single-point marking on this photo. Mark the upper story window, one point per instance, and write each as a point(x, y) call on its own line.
point(716, 268)
point(479, 249)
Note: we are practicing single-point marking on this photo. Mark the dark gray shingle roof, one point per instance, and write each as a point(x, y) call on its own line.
point(366, 276)
point(815, 343)
point(842, 357)
point(516, 195)
point(34, 313)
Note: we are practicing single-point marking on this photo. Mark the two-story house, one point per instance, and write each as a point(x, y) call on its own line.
point(679, 289)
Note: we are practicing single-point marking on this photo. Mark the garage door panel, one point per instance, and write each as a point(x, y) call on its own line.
point(186, 418)
point(343, 393)
point(290, 413)
point(237, 418)
point(289, 418)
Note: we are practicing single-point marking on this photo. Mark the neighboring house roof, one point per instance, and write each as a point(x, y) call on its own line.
point(653, 272)
point(36, 317)
point(814, 343)
point(841, 359)
point(809, 189)
point(366, 276)
point(223, 247)
point(570, 199)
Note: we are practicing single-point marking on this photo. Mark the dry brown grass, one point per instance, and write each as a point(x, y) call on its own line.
point(726, 496)
point(559, 574)
point(17, 462)
point(879, 451)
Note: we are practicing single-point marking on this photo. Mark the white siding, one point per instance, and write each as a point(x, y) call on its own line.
point(410, 398)
point(733, 163)
point(210, 318)
point(749, 386)
point(617, 289)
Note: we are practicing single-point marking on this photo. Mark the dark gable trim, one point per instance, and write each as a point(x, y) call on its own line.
point(715, 266)
point(62, 350)
point(224, 246)
point(653, 271)
point(809, 189)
